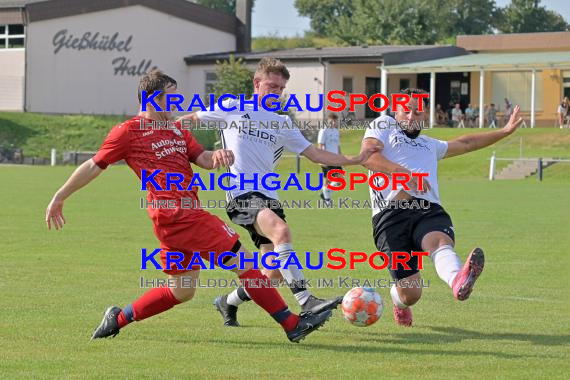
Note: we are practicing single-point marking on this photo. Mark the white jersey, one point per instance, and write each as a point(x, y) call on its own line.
point(419, 155)
point(330, 138)
point(257, 144)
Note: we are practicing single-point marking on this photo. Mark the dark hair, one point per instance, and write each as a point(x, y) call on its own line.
point(415, 91)
point(153, 81)
point(333, 116)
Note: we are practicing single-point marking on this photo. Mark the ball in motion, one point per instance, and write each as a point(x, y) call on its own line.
point(362, 306)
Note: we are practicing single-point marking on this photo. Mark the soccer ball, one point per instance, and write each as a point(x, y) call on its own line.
point(362, 306)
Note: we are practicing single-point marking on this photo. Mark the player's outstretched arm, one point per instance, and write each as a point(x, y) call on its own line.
point(469, 143)
point(214, 159)
point(320, 156)
point(84, 174)
point(378, 163)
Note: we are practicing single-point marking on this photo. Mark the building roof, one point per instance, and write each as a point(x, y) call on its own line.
point(516, 41)
point(16, 3)
point(349, 54)
point(184, 9)
point(38, 10)
point(488, 62)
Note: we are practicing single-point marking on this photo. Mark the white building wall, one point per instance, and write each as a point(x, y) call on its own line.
point(12, 62)
point(394, 82)
point(306, 78)
point(87, 81)
point(358, 72)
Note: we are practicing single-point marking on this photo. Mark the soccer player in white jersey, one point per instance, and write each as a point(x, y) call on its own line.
point(257, 150)
point(403, 150)
point(329, 140)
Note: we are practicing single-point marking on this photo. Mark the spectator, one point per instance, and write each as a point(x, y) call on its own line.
point(18, 156)
point(508, 111)
point(564, 113)
point(440, 115)
point(476, 115)
point(456, 115)
point(449, 111)
point(470, 116)
point(492, 116)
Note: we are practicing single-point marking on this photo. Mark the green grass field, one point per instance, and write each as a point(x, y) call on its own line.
point(56, 285)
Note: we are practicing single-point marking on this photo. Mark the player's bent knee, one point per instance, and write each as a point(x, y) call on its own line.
point(281, 233)
point(183, 294)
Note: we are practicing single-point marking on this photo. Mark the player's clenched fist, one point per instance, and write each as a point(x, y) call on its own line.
point(223, 157)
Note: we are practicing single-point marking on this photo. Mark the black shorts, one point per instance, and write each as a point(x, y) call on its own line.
point(402, 230)
point(326, 170)
point(243, 209)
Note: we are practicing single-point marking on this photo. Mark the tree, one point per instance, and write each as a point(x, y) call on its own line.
point(274, 42)
point(471, 16)
point(324, 13)
point(413, 22)
point(233, 78)
point(376, 21)
point(527, 16)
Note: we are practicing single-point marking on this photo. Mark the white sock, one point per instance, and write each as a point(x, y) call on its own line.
point(238, 296)
point(327, 193)
point(292, 273)
point(447, 263)
point(396, 298)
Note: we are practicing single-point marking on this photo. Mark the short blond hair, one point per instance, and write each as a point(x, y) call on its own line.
point(271, 66)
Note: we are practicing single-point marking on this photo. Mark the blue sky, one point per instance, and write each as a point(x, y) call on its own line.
point(280, 16)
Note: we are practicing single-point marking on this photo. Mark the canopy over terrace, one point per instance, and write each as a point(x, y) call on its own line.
point(481, 62)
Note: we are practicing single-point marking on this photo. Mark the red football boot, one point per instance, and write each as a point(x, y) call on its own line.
point(465, 280)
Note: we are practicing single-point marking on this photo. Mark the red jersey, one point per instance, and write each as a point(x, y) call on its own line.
point(170, 150)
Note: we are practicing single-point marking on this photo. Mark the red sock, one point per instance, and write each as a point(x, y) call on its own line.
point(268, 298)
point(122, 319)
point(154, 301)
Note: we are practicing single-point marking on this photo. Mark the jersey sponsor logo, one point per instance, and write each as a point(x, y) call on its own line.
point(398, 140)
point(170, 146)
point(147, 133)
point(246, 116)
point(258, 136)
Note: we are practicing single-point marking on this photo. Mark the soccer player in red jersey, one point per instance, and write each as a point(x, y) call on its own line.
point(184, 230)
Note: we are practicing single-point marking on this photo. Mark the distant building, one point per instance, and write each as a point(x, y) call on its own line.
point(85, 56)
point(354, 69)
point(504, 65)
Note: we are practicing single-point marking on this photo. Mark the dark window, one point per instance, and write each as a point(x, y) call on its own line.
point(15, 42)
point(15, 29)
point(2, 43)
point(2, 29)
point(347, 85)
